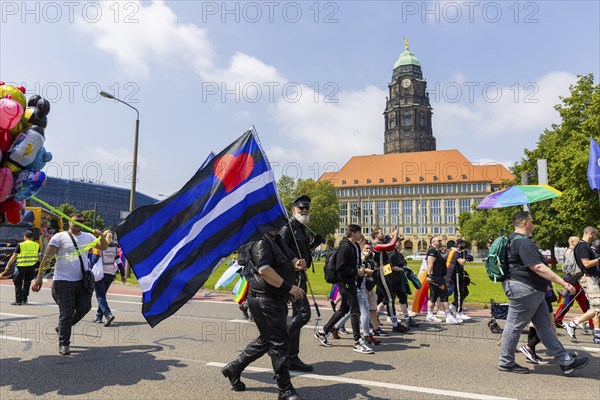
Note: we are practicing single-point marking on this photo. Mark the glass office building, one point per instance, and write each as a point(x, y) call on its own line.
point(109, 202)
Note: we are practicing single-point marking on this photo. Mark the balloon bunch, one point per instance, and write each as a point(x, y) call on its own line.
point(22, 151)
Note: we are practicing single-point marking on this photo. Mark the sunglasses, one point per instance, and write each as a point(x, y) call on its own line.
point(303, 208)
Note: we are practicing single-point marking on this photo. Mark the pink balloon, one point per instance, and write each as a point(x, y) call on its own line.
point(10, 113)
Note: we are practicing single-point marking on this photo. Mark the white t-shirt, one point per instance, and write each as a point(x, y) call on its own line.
point(68, 267)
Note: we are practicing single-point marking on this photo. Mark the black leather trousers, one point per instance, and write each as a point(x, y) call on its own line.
point(270, 317)
point(300, 317)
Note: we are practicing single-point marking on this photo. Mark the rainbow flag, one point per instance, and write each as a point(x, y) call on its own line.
point(242, 291)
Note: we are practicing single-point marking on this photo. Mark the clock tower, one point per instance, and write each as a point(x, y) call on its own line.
point(407, 114)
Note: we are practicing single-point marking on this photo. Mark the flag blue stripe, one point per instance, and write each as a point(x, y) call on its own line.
point(140, 234)
point(175, 286)
point(145, 267)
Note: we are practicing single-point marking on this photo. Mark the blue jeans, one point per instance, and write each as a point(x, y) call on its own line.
point(101, 288)
point(527, 304)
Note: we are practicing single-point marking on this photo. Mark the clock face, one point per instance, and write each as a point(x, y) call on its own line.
point(406, 82)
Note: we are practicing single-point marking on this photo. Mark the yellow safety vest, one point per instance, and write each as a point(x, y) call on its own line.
point(28, 253)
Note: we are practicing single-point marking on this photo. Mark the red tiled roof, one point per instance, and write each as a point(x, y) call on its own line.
point(426, 167)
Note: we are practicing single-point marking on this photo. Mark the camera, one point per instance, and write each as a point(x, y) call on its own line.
point(466, 255)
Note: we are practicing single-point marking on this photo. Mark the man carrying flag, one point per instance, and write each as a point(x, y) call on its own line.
point(295, 236)
point(271, 286)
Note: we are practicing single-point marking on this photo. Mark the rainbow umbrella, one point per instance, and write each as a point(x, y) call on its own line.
point(518, 196)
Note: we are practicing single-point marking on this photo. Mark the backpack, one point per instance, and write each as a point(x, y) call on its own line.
point(571, 268)
point(329, 269)
point(244, 260)
point(496, 264)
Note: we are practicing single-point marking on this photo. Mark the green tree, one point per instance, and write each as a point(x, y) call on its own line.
point(483, 226)
point(566, 148)
point(88, 215)
point(69, 210)
point(89, 219)
point(324, 212)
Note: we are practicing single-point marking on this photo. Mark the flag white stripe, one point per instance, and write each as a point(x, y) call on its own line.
point(226, 203)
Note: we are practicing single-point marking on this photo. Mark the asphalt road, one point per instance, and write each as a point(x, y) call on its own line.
point(181, 359)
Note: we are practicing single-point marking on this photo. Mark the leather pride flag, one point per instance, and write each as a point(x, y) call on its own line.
point(174, 246)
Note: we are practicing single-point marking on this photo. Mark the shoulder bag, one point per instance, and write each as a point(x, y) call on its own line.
point(88, 276)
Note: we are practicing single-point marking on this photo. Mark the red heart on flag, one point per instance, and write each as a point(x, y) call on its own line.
point(233, 170)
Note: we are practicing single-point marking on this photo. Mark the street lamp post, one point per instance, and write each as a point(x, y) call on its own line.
point(135, 155)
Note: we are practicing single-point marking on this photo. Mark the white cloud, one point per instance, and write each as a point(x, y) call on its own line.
point(516, 120)
point(324, 133)
point(155, 37)
point(158, 38)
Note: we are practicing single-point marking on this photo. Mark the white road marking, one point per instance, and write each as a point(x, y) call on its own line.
point(9, 315)
point(452, 393)
point(592, 349)
point(16, 339)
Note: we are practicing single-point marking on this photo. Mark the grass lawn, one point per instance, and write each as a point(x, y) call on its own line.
point(480, 291)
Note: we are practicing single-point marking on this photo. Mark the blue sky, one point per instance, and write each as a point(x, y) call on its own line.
point(311, 76)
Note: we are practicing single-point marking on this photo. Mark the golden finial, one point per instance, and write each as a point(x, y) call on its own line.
point(405, 42)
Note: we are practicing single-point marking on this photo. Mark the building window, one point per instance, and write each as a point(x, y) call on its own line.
point(422, 230)
point(422, 211)
point(435, 230)
point(344, 214)
point(422, 120)
point(406, 118)
point(367, 214)
point(380, 209)
point(354, 212)
point(451, 230)
point(464, 205)
point(436, 211)
point(394, 212)
point(407, 211)
point(450, 211)
point(408, 230)
point(477, 201)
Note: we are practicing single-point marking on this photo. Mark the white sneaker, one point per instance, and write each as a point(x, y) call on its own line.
point(463, 316)
point(452, 309)
point(452, 320)
point(361, 347)
point(442, 313)
point(412, 313)
point(432, 318)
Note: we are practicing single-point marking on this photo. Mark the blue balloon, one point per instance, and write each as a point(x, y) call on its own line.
point(28, 184)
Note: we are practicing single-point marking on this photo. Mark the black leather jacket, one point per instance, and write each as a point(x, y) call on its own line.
point(272, 252)
point(302, 239)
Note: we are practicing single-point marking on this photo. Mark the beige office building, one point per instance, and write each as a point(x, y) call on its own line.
point(412, 186)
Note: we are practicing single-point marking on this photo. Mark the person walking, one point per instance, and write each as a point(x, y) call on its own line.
point(271, 286)
point(111, 262)
point(346, 265)
point(68, 290)
point(27, 256)
point(526, 289)
point(295, 236)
